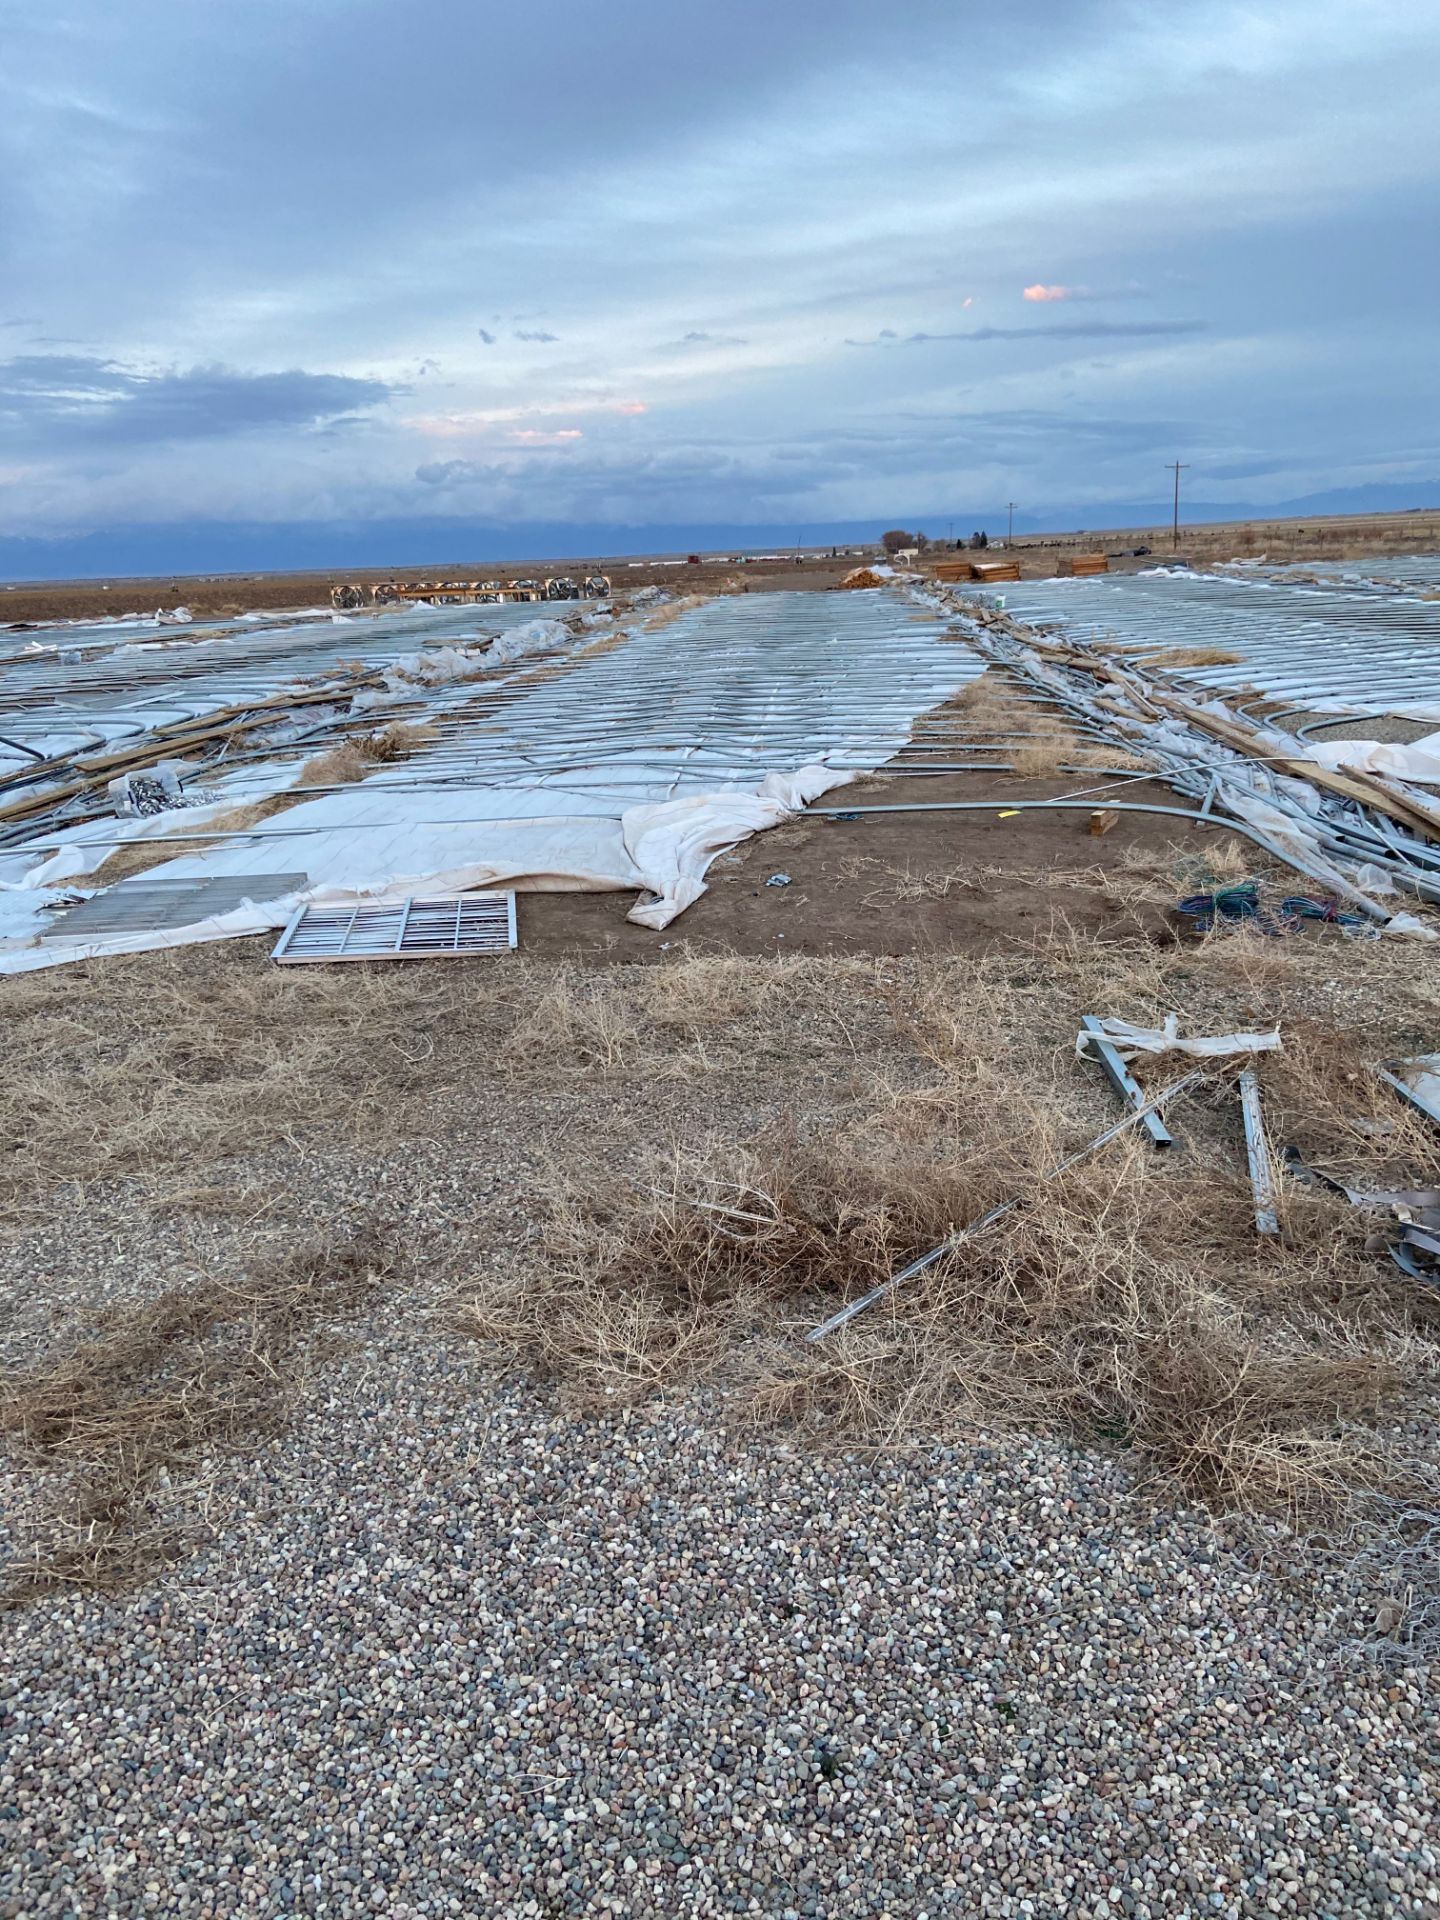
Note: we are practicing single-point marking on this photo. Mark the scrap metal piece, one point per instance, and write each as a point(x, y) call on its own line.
point(1123, 1081)
point(1257, 1148)
point(1005, 1207)
point(1417, 1081)
point(1415, 1217)
point(1406, 1262)
point(443, 926)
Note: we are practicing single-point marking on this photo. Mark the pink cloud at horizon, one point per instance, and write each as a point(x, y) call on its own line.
point(477, 423)
point(1044, 293)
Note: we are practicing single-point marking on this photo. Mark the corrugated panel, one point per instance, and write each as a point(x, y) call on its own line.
point(445, 925)
point(151, 906)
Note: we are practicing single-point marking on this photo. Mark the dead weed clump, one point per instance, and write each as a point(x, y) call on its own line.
point(647, 1285)
point(989, 702)
point(1128, 1300)
point(129, 1411)
point(1044, 742)
point(1172, 659)
point(354, 758)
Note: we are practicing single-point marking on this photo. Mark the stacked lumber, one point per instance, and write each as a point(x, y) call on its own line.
point(1083, 563)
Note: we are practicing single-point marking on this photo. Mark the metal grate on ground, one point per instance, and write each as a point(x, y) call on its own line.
point(442, 926)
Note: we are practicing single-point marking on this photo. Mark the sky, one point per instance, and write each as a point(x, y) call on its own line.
point(353, 263)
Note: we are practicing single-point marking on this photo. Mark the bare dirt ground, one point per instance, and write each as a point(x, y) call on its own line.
point(912, 883)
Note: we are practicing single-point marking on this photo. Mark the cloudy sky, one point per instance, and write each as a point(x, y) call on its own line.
point(785, 261)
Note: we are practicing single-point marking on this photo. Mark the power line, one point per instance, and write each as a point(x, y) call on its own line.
point(1177, 467)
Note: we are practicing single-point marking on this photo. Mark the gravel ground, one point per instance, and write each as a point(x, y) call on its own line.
point(454, 1654)
point(443, 1649)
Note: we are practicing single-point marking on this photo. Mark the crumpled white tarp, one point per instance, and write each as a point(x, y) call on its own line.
point(1420, 761)
point(25, 902)
point(1407, 926)
point(434, 668)
point(672, 845)
point(442, 666)
point(1129, 1040)
point(660, 850)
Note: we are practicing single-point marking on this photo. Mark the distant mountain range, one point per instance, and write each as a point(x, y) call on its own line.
point(191, 547)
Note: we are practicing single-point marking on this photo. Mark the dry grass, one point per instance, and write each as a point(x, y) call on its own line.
point(165, 1062)
point(1172, 659)
point(354, 758)
point(890, 1100)
point(1131, 1304)
point(991, 701)
point(1132, 1301)
point(992, 707)
point(122, 1415)
point(159, 1065)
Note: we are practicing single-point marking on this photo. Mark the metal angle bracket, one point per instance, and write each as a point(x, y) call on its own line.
point(1124, 1082)
point(1425, 1070)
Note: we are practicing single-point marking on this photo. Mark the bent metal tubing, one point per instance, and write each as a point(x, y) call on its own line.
point(1110, 806)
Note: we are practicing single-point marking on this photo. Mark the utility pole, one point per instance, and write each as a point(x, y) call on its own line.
point(1177, 467)
point(1010, 526)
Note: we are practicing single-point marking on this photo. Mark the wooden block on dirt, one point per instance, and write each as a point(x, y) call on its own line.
point(1102, 820)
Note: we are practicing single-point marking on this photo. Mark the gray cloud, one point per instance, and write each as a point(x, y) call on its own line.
point(72, 397)
point(452, 473)
point(537, 334)
point(1059, 329)
point(698, 339)
point(1255, 469)
point(311, 214)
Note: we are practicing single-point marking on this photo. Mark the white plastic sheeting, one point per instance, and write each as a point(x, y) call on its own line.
point(85, 692)
point(1130, 1041)
point(1324, 649)
point(1419, 762)
point(629, 768)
